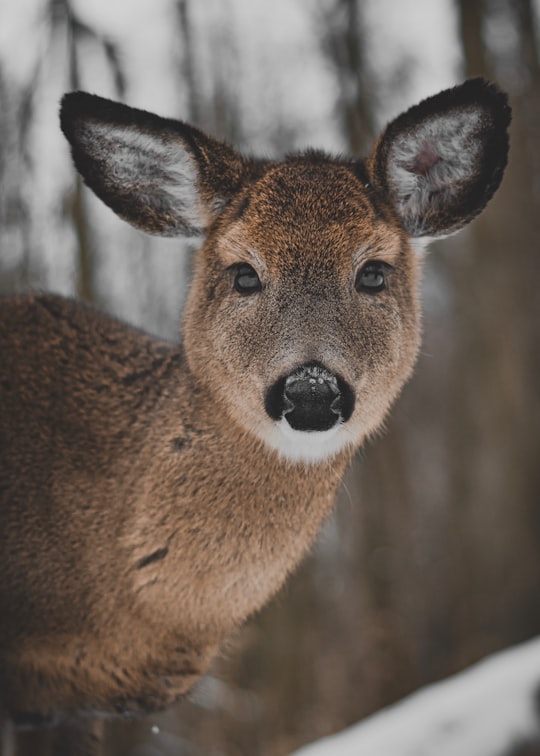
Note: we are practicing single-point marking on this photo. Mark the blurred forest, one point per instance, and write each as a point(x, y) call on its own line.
point(432, 559)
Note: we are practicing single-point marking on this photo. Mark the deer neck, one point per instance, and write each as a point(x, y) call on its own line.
point(227, 517)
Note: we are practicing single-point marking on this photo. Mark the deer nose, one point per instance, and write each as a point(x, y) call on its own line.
point(310, 399)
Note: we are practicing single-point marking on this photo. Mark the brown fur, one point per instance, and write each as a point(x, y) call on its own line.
point(143, 516)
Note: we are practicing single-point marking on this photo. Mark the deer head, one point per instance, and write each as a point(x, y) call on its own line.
point(303, 317)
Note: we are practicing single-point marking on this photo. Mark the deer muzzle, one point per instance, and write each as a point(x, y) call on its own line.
point(311, 398)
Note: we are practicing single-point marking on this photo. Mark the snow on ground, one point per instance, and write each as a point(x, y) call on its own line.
point(484, 711)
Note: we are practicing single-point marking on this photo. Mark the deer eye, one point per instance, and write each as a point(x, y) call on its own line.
point(371, 277)
point(246, 280)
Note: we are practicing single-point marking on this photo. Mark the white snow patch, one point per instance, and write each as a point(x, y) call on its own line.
point(483, 711)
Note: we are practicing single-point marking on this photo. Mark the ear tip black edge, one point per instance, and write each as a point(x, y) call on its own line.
point(490, 92)
point(73, 105)
point(476, 91)
point(83, 106)
point(73, 101)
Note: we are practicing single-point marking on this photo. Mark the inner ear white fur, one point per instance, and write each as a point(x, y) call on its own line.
point(453, 152)
point(150, 165)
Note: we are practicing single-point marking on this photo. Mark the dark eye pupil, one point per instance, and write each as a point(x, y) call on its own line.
point(246, 280)
point(371, 277)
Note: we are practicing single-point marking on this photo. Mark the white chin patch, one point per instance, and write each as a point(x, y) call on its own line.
point(306, 446)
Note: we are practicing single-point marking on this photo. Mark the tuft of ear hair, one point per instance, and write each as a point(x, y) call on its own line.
point(162, 176)
point(440, 162)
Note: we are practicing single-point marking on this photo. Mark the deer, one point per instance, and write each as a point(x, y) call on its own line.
point(155, 495)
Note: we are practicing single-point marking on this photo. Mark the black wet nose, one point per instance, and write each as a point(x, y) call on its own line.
point(311, 399)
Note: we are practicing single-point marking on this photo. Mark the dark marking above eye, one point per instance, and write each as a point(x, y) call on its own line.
point(155, 556)
point(181, 442)
point(178, 443)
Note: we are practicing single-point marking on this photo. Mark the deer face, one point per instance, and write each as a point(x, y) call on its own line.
point(303, 314)
point(303, 318)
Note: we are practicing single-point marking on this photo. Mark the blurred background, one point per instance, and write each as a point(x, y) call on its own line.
point(432, 558)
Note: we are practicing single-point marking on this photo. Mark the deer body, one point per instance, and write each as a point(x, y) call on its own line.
point(137, 590)
point(153, 496)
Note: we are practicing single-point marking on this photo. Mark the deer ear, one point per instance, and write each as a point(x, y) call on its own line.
point(162, 176)
point(440, 162)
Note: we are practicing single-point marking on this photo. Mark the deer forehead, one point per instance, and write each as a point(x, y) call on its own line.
point(302, 212)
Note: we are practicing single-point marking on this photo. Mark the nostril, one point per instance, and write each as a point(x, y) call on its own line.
point(310, 384)
point(310, 399)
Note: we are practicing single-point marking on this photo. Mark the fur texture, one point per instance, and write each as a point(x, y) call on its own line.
point(145, 491)
point(163, 176)
point(443, 159)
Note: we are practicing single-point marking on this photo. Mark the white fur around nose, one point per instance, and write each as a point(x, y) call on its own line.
point(453, 139)
point(306, 446)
